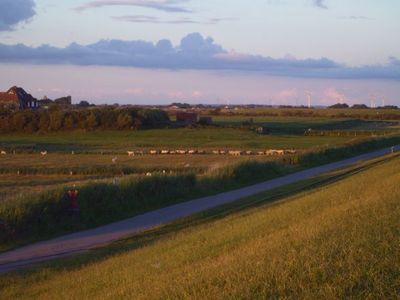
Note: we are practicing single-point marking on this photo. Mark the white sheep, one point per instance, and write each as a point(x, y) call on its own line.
point(43, 153)
point(3, 153)
point(131, 153)
point(114, 160)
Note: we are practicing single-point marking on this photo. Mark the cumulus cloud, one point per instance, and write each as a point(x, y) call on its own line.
point(13, 12)
point(163, 5)
point(320, 4)
point(333, 94)
point(287, 94)
point(194, 52)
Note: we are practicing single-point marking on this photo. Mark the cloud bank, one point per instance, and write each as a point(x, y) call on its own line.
point(13, 12)
point(162, 5)
point(193, 53)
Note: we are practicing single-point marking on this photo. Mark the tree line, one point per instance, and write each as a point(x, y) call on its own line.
point(107, 118)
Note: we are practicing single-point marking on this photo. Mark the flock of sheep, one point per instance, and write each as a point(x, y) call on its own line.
point(270, 152)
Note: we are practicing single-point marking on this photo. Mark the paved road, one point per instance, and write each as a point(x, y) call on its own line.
point(89, 239)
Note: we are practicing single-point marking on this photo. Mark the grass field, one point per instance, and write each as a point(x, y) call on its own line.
point(365, 114)
point(337, 241)
point(285, 124)
point(120, 141)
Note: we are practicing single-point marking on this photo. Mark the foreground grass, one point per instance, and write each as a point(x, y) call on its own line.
point(339, 241)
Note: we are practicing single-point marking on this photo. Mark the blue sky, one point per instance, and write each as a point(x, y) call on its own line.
point(273, 49)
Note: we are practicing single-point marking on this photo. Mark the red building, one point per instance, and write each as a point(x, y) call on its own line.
point(186, 118)
point(16, 97)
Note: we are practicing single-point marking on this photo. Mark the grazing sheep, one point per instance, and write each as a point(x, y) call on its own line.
point(114, 160)
point(291, 151)
point(202, 152)
point(131, 153)
point(261, 153)
point(148, 174)
point(192, 151)
point(275, 152)
point(172, 152)
point(215, 152)
point(164, 152)
point(43, 153)
point(153, 152)
point(3, 153)
point(139, 152)
point(222, 152)
point(181, 151)
point(249, 152)
point(235, 153)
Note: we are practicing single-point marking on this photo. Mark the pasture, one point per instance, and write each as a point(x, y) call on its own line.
point(122, 141)
point(335, 241)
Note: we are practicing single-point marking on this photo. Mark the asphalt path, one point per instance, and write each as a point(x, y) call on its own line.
point(85, 240)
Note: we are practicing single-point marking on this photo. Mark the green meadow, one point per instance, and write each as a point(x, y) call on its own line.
point(120, 141)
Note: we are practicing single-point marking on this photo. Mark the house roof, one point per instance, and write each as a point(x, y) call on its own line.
point(6, 97)
point(16, 94)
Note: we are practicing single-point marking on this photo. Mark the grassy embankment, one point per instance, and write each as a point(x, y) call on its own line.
point(336, 241)
point(34, 217)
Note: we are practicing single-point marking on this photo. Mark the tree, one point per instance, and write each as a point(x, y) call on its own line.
point(92, 121)
point(339, 105)
point(124, 121)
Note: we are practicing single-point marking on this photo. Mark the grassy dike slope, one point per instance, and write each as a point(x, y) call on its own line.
point(337, 241)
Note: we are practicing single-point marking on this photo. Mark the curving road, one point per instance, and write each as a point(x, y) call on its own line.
point(89, 239)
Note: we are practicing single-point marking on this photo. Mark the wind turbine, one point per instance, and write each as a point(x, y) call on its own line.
point(372, 98)
point(308, 96)
point(383, 101)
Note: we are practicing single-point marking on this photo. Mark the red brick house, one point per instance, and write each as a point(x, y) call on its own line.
point(17, 98)
point(186, 118)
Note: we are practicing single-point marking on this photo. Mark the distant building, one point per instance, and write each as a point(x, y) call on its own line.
point(206, 121)
point(63, 101)
point(186, 118)
point(17, 98)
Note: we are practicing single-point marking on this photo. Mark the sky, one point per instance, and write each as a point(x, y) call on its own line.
point(203, 51)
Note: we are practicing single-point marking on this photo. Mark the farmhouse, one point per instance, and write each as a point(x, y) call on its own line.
point(186, 118)
point(16, 97)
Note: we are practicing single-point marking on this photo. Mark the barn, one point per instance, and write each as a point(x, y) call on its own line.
point(186, 118)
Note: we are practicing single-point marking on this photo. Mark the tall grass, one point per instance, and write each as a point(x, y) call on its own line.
point(330, 154)
point(44, 215)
